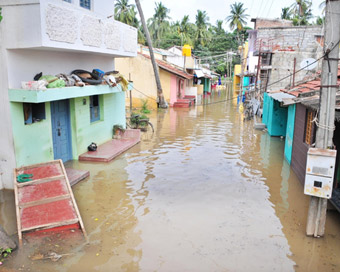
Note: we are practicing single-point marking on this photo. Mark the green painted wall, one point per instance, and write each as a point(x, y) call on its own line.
point(290, 133)
point(277, 118)
point(207, 85)
point(33, 142)
point(84, 132)
point(265, 109)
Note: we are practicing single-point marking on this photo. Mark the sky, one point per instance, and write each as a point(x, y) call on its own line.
point(220, 9)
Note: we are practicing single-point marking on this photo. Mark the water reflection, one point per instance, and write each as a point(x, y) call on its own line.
point(205, 192)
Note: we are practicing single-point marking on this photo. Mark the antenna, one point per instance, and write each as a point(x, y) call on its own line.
point(308, 64)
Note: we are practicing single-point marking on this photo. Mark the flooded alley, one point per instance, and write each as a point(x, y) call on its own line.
point(204, 192)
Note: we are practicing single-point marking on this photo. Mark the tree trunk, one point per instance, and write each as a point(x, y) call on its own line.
point(162, 103)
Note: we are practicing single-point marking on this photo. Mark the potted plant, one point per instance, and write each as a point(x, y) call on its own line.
point(118, 130)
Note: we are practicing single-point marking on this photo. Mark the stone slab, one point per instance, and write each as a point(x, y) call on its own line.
point(113, 148)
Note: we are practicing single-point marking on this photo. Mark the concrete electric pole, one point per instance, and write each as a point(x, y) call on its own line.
point(324, 134)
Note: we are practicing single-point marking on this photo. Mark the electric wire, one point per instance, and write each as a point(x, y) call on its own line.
point(259, 10)
point(234, 97)
point(270, 7)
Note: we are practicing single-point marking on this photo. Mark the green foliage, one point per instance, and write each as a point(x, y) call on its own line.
point(237, 17)
point(302, 12)
point(203, 36)
point(145, 108)
point(4, 253)
point(126, 13)
point(118, 128)
point(320, 20)
point(135, 119)
point(1, 14)
point(286, 13)
point(159, 25)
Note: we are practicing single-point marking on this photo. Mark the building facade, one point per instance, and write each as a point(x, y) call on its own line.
point(52, 37)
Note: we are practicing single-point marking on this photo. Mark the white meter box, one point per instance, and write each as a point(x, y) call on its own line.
point(320, 172)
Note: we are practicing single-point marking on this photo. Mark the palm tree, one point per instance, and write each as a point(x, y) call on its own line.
point(237, 17)
point(286, 13)
point(323, 6)
point(124, 12)
point(161, 100)
point(184, 28)
point(218, 29)
point(301, 7)
point(320, 20)
point(202, 23)
point(159, 23)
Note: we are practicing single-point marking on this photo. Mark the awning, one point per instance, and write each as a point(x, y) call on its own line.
point(280, 96)
point(199, 73)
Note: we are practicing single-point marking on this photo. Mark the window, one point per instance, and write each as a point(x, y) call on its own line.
point(69, 1)
point(85, 4)
point(309, 127)
point(94, 108)
point(266, 59)
point(34, 112)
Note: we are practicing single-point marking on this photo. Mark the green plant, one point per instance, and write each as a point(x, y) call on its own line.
point(135, 117)
point(4, 253)
point(118, 128)
point(145, 108)
point(1, 14)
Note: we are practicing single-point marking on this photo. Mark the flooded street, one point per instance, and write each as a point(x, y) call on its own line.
point(205, 192)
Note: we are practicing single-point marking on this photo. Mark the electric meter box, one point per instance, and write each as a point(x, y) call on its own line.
point(320, 172)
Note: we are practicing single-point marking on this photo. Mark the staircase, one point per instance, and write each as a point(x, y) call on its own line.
point(186, 102)
point(182, 103)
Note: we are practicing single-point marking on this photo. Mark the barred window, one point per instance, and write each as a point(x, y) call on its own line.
point(85, 4)
point(309, 127)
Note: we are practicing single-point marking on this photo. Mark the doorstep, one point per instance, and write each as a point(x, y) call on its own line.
point(75, 175)
point(113, 148)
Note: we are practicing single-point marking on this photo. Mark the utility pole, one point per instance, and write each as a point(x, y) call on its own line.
point(161, 100)
point(318, 206)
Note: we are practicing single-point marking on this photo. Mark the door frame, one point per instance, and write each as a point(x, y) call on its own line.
point(68, 127)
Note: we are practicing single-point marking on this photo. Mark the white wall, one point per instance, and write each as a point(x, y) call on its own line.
point(7, 157)
point(252, 62)
point(29, 44)
point(191, 91)
point(57, 24)
point(176, 57)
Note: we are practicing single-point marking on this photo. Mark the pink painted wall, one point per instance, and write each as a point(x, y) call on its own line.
point(173, 90)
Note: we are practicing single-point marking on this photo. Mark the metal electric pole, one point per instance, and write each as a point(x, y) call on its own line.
point(324, 134)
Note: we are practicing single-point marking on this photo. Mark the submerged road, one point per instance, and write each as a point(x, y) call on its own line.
point(205, 192)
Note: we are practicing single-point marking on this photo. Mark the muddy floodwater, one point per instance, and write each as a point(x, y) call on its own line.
point(205, 192)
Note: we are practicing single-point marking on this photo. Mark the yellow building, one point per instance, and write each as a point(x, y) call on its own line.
point(140, 71)
point(175, 82)
point(238, 67)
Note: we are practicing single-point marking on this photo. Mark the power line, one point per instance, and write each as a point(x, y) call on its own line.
point(221, 101)
point(270, 7)
point(259, 10)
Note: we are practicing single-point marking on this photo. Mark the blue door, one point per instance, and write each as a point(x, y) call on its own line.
point(61, 130)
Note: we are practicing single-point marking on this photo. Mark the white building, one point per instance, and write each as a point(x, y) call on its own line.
point(53, 36)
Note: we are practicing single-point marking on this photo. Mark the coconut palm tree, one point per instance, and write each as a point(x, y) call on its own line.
point(286, 13)
point(218, 29)
point(202, 24)
point(159, 23)
point(237, 17)
point(124, 12)
point(323, 6)
point(184, 28)
point(161, 101)
point(301, 7)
